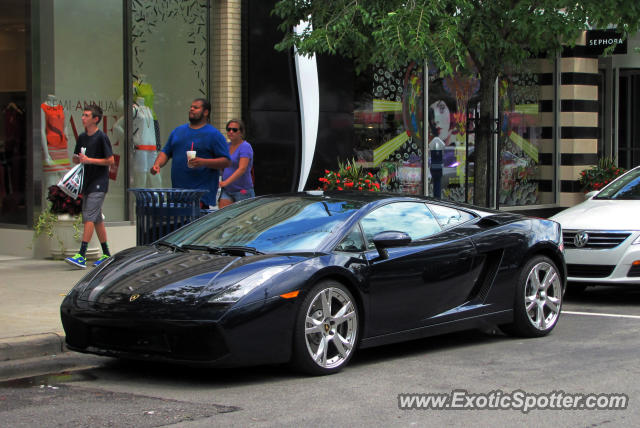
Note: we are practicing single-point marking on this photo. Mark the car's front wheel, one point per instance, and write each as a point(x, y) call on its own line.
point(538, 299)
point(326, 330)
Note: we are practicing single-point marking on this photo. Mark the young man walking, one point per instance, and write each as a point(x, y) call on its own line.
point(93, 149)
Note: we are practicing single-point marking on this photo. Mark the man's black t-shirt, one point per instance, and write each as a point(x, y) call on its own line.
point(96, 177)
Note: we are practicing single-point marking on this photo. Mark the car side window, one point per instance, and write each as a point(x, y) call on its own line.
point(413, 218)
point(449, 217)
point(353, 242)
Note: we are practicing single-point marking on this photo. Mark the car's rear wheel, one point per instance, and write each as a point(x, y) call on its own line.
point(538, 299)
point(326, 330)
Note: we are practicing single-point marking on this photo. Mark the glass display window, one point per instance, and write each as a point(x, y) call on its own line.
point(170, 56)
point(389, 127)
point(452, 103)
point(522, 152)
point(13, 113)
point(86, 69)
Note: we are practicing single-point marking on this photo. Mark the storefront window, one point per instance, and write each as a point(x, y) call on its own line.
point(453, 100)
point(86, 68)
point(389, 125)
point(13, 143)
point(525, 156)
point(169, 69)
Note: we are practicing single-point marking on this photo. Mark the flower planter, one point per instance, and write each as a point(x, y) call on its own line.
point(64, 244)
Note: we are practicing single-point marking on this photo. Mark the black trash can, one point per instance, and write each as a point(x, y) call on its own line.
point(160, 211)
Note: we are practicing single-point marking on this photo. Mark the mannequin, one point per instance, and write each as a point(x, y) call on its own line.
point(144, 90)
point(144, 146)
point(54, 141)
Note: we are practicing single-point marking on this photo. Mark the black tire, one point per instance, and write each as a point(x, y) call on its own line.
point(538, 299)
point(326, 329)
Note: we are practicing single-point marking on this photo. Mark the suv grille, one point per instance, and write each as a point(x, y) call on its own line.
point(597, 240)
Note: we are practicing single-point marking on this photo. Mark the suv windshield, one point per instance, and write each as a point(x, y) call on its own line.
point(627, 187)
point(272, 224)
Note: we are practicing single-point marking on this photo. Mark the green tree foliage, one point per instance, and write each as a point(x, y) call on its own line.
point(487, 37)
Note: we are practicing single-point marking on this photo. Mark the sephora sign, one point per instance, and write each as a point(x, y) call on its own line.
point(599, 40)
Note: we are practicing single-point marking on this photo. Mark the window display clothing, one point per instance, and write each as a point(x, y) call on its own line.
point(144, 146)
point(145, 91)
point(56, 155)
point(13, 157)
point(143, 129)
point(96, 177)
point(14, 129)
point(244, 182)
point(208, 143)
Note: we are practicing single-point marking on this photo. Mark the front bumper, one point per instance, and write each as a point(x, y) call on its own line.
point(605, 266)
point(254, 334)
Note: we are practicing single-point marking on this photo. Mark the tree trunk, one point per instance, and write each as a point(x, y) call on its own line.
point(484, 139)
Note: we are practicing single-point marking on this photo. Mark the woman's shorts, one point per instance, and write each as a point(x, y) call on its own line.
point(92, 207)
point(237, 196)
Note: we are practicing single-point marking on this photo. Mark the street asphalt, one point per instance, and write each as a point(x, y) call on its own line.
point(31, 334)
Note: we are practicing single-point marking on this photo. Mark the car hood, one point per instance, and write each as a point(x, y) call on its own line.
point(600, 214)
point(151, 276)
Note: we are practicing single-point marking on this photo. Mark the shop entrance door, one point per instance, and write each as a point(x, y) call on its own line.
point(629, 119)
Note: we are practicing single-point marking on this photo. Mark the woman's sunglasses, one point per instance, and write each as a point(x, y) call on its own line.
point(232, 129)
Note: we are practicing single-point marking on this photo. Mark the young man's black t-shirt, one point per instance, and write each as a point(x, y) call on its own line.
point(96, 177)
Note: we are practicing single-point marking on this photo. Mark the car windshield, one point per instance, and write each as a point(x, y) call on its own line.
point(273, 224)
point(627, 187)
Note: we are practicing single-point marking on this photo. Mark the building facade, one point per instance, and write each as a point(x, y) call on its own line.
point(143, 61)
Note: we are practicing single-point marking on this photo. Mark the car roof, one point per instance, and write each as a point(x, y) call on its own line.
point(379, 198)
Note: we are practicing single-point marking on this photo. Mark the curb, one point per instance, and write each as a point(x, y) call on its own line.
point(48, 366)
point(38, 345)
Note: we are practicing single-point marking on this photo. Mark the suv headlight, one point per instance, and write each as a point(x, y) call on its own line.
point(240, 289)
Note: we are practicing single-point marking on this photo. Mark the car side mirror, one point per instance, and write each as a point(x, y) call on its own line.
point(389, 239)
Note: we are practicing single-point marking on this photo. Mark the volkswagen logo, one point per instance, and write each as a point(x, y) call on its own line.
point(581, 239)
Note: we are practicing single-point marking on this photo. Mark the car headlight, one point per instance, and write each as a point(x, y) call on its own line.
point(240, 289)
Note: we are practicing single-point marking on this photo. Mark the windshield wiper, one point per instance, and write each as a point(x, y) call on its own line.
point(235, 250)
point(240, 250)
point(174, 247)
point(212, 250)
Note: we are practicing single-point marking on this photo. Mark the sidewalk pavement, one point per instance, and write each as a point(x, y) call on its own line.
point(31, 292)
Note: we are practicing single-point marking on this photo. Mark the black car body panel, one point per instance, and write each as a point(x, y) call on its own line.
point(167, 303)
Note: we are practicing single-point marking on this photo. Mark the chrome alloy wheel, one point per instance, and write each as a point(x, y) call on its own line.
point(331, 327)
point(543, 296)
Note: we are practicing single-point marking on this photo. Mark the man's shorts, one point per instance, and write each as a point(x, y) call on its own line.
point(92, 207)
